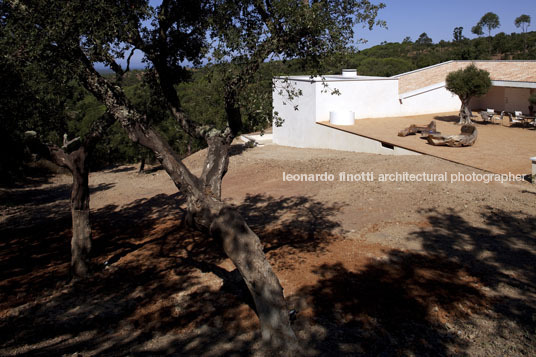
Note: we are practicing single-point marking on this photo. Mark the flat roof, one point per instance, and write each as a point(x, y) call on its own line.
point(514, 84)
point(334, 78)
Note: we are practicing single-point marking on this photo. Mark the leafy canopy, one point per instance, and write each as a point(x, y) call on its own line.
point(236, 35)
point(477, 29)
point(523, 21)
point(424, 39)
point(491, 21)
point(468, 82)
point(457, 34)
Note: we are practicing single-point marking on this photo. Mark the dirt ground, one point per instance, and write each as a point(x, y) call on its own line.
point(372, 268)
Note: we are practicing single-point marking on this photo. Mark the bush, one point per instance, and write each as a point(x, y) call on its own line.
point(532, 99)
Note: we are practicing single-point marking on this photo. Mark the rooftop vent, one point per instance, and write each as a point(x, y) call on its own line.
point(349, 73)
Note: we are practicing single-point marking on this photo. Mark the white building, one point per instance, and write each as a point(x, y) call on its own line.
point(412, 93)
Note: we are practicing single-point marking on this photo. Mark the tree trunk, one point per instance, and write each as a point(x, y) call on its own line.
point(206, 209)
point(465, 113)
point(81, 239)
point(244, 248)
point(80, 243)
point(77, 162)
point(216, 164)
point(142, 165)
point(240, 243)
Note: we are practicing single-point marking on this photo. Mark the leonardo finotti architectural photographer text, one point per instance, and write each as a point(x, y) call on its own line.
point(368, 176)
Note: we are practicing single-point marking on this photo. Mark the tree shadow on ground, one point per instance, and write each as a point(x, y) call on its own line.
point(157, 287)
point(394, 307)
point(430, 302)
point(44, 195)
point(501, 253)
point(167, 289)
point(116, 170)
point(299, 222)
point(36, 233)
point(237, 149)
point(447, 118)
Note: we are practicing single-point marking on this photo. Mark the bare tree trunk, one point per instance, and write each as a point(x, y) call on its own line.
point(81, 239)
point(244, 248)
point(77, 162)
point(240, 243)
point(205, 208)
point(465, 113)
point(142, 165)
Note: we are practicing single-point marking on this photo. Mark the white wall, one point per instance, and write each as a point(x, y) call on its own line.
point(370, 97)
point(373, 98)
point(297, 123)
point(437, 100)
point(300, 129)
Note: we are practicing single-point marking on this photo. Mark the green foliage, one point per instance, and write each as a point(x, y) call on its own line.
point(116, 147)
point(457, 34)
point(202, 97)
point(468, 82)
point(522, 21)
point(501, 43)
point(28, 96)
point(491, 21)
point(424, 40)
point(39, 75)
point(532, 99)
point(285, 30)
point(477, 29)
point(384, 67)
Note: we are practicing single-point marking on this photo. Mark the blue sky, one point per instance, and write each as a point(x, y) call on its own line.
point(435, 17)
point(439, 18)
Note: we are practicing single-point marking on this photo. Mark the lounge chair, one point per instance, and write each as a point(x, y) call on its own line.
point(509, 120)
point(486, 116)
point(467, 137)
point(414, 129)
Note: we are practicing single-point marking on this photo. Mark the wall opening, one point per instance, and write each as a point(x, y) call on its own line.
point(388, 146)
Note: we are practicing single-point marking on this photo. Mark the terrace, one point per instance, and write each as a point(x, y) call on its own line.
point(498, 149)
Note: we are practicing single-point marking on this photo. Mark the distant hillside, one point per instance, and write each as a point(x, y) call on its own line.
point(389, 59)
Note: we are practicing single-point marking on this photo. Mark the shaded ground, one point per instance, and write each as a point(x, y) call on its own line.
point(405, 268)
point(498, 149)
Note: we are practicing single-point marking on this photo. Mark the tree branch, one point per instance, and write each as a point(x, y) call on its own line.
point(135, 124)
point(60, 157)
point(129, 58)
point(67, 143)
point(158, 58)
